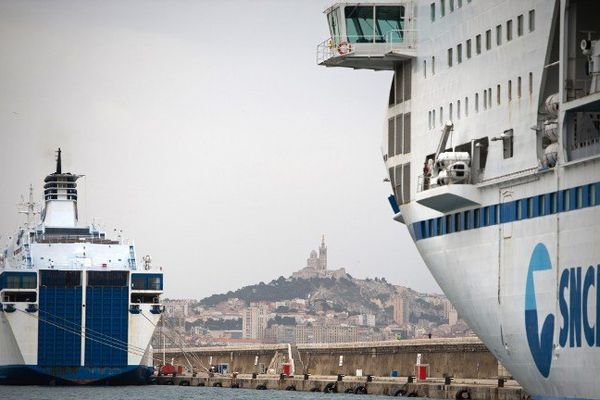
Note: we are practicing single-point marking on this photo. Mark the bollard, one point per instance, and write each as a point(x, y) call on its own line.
point(340, 377)
point(447, 380)
point(501, 382)
point(254, 375)
point(410, 379)
point(369, 378)
point(282, 377)
point(306, 377)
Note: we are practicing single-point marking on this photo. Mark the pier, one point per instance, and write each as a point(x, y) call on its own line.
point(453, 368)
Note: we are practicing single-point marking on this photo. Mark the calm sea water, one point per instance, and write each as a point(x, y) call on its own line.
point(158, 393)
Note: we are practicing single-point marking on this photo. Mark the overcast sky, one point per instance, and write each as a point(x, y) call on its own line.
point(206, 132)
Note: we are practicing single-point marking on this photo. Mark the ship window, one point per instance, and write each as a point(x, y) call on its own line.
point(498, 94)
point(485, 99)
point(389, 21)
point(490, 97)
point(432, 228)
point(476, 102)
point(507, 144)
point(398, 135)
point(449, 224)
point(519, 209)
point(391, 135)
point(553, 203)
point(530, 213)
point(107, 278)
point(580, 197)
point(519, 87)
point(459, 53)
point(478, 44)
point(432, 65)
point(457, 222)
point(450, 57)
point(433, 119)
point(442, 116)
point(19, 297)
point(466, 223)
point(592, 195)
point(332, 17)
point(468, 48)
point(451, 113)
point(530, 83)
point(509, 30)
point(442, 7)
point(520, 25)
point(466, 106)
point(359, 24)
point(509, 90)
point(542, 205)
point(476, 218)
point(429, 120)
point(494, 214)
point(424, 68)
point(458, 109)
point(531, 20)
point(459, 3)
point(488, 39)
point(566, 200)
point(65, 279)
point(498, 35)
point(432, 8)
point(406, 136)
point(439, 226)
point(451, 5)
point(146, 282)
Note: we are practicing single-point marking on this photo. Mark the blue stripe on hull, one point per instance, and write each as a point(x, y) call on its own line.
point(36, 375)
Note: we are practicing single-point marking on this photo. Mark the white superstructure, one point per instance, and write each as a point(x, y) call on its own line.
point(492, 145)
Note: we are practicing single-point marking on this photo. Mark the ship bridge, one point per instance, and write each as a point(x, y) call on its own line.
point(368, 35)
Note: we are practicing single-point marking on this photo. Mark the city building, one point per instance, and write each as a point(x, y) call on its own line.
point(254, 322)
point(401, 310)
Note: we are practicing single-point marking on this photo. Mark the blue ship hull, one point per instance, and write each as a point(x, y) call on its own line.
point(35, 375)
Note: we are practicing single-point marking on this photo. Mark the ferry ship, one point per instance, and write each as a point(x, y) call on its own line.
point(77, 307)
point(492, 147)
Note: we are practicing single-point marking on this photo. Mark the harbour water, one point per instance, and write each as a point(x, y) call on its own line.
point(155, 393)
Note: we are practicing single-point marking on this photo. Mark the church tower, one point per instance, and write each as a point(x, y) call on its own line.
point(323, 255)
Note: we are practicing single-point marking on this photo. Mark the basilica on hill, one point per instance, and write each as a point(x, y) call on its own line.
point(316, 265)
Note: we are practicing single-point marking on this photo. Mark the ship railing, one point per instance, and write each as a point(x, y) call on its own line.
point(393, 42)
point(75, 239)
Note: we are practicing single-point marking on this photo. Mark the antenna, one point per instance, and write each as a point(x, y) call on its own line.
point(58, 162)
point(28, 207)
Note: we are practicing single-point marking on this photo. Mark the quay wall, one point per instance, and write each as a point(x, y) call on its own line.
point(459, 358)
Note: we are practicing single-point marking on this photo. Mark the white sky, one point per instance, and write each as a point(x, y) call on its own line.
point(206, 132)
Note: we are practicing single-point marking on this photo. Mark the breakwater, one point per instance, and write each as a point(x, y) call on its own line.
point(460, 358)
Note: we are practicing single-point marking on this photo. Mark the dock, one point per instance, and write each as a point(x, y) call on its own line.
point(438, 388)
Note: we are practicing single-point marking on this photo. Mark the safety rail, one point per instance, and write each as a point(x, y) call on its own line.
point(394, 42)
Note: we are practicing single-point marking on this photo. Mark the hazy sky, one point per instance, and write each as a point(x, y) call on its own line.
point(206, 132)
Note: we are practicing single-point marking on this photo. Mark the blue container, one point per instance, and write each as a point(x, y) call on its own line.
point(394, 374)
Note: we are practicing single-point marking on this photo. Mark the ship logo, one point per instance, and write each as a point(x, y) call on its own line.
point(540, 343)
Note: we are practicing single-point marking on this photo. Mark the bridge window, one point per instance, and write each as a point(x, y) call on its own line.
point(18, 280)
point(146, 282)
point(459, 53)
point(498, 35)
point(359, 24)
point(488, 39)
point(432, 7)
point(468, 48)
point(334, 28)
point(107, 278)
point(509, 30)
point(389, 21)
point(64, 279)
point(478, 44)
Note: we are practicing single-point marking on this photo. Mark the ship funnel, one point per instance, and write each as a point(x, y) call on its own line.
point(60, 196)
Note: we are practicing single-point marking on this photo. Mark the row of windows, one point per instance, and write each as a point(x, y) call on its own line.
point(488, 39)
point(516, 210)
point(18, 280)
point(451, 4)
point(462, 107)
